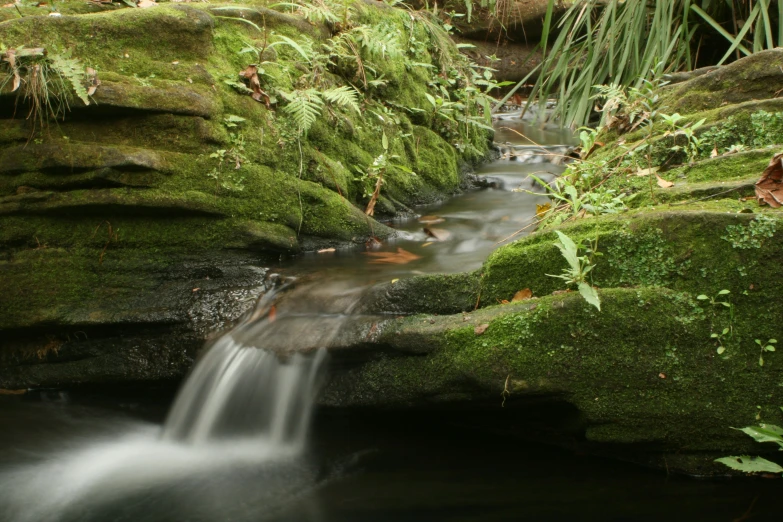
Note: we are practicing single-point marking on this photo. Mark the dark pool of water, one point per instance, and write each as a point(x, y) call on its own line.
point(397, 468)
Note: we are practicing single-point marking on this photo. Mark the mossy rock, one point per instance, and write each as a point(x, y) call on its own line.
point(99, 209)
point(643, 372)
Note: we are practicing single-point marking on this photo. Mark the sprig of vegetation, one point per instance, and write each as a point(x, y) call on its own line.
point(629, 41)
point(762, 433)
point(577, 270)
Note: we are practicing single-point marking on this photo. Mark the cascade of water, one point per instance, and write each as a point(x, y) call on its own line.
point(244, 392)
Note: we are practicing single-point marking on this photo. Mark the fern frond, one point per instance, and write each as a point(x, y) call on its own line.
point(344, 96)
point(72, 70)
point(304, 107)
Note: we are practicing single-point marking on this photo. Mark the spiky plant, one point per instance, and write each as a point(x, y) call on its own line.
point(626, 42)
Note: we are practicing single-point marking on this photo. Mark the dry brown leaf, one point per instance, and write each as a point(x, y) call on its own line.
point(250, 74)
point(95, 82)
point(662, 375)
point(400, 257)
point(372, 243)
point(4, 391)
point(542, 210)
point(663, 183)
point(522, 295)
point(272, 316)
point(431, 220)
point(326, 250)
point(769, 188)
point(146, 3)
point(714, 153)
point(480, 329)
point(370, 210)
point(647, 172)
point(505, 301)
point(437, 233)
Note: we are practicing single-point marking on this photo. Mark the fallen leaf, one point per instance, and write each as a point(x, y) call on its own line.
point(663, 183)
point(251, 75)
point(372, 243)
point(558, 292)
point(95, 82)
point(505, 301)
point(373, 329)
point(769, 188)
point(395, 280)
point(370, 210)
point(175, 62)
point(662, 375)
point(437, 233)
point(714, 153)
point(400, 257)
point(326, 250)
point(480, 329)
point(146, 3)
point(272, 315)
point(196, 289)
point(522, 295)
point(4, 391)
point(10, 57)
point(542, 210)
point(431, 220)
point(647, 172)
point(428, 243)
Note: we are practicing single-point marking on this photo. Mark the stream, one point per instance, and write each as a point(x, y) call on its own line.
point(153, 454)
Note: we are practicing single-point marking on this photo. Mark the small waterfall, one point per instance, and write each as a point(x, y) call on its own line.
point(259, 382)
point(249, 393)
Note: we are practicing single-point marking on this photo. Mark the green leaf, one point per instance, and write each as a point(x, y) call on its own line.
point(765, 433)
point(750, 464)
point(385, 141)
point(568, 249)
point(722, 292)
point(590, 295)
point(344, 96)
point(702, 297)
point(721, 350)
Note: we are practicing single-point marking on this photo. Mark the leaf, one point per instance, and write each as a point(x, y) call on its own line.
point(385, 141)
point(72, 70)
point(250, 74)
point(344, 96)
point(400, 257)
point(542, 210)
point(714, 153)
point(663, 183)
point(437, 233)
point(721, 350)
point(431, 220)
point(590, 295)
point(765, 433)
point(370, 210)
point(647, 172)
point(523, 295)
point(304, 107)
point(480, 329)
point(750, 464)
point(568, 249)
point(769, 188)
point(146, 3)
point(326, 251)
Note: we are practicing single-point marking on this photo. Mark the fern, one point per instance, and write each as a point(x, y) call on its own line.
point(344, 96)
point(72, 71)
point(304, 106)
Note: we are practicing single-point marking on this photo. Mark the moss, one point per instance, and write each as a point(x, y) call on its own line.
point(637, 372)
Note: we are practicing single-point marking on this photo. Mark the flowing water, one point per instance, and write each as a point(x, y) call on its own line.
point(233, 445)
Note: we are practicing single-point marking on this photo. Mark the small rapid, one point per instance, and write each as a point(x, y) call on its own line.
point(240, 421)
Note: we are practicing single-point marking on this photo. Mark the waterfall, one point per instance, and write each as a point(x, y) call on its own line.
point(244, 392)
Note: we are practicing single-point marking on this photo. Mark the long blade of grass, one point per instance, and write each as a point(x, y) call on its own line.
point(745, 28)
point(715, 25)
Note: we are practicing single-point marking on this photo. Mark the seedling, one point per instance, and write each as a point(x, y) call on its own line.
point(765, 347)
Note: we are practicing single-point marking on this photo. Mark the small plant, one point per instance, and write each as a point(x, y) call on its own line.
point(727, 333)
point(45, 82)
point(765, 347)
point(578, 268)
point(230, 179)
point(753, 235)
point(763, 433)
point(372, 177)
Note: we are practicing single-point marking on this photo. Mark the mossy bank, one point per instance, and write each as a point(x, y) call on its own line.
point(687, 280)
point(167, 192)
